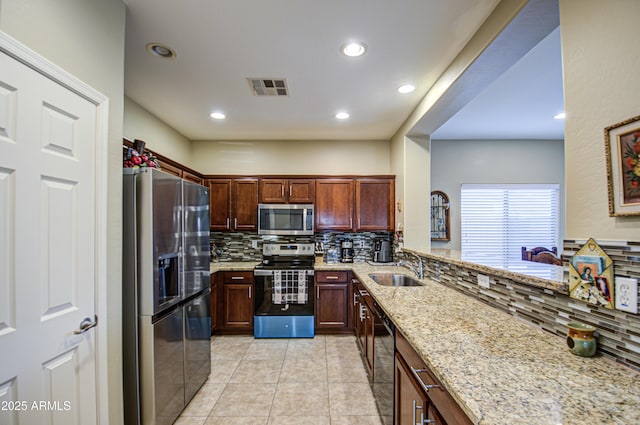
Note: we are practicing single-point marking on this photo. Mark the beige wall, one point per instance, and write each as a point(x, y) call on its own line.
point(493, 161)
point(86, 39)
point(141, 124)
point(601, 59)
point(291, 157)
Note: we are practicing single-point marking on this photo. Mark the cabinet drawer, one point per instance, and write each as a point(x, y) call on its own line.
point(238, 277)
point(443, 402)
point(332, 277)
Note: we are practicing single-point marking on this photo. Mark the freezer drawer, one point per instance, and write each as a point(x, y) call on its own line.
point(162, 368)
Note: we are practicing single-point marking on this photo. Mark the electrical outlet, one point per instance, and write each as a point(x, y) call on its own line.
point(626, 294)
point(483, 281)
point(361, 244)
point(254, 243)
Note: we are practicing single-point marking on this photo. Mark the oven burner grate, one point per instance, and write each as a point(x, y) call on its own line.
point(290, 287)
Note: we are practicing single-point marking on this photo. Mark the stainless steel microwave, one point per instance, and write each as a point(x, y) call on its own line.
point(285, 219)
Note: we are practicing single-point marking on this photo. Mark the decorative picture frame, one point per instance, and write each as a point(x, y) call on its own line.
point(591, 276)
point(622, 147)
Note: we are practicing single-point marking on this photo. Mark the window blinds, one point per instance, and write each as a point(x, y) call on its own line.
point(498, 219)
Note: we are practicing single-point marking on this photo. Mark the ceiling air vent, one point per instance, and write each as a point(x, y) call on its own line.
point(269, 86)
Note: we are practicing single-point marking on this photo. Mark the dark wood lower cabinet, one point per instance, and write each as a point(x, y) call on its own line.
point(333, 306)
point(409, 398)
point(419, 396)
point(238, 305)
point(235, 304)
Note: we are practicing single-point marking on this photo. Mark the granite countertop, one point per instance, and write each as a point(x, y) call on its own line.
point(502, 370)
point(219, 266)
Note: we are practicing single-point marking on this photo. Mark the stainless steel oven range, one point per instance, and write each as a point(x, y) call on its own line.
point(284, 291)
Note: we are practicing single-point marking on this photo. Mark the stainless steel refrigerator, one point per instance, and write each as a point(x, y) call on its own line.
point(165, 294)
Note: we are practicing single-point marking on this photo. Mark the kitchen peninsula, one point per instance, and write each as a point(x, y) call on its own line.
point(500, 370)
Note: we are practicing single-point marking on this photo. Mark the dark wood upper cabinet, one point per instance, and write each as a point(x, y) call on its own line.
point(244, 204)
point(220, 204)
point(293, 191)
point(302, 191)
point(194, 178)
point(334, 204)
point(375, 199)
point(233, 204)
point(168, 167)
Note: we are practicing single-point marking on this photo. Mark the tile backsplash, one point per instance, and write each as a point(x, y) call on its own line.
point(619, 331)
point(241, 246)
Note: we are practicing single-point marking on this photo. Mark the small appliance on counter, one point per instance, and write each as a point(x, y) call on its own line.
point(382, 251)
point(346, 251)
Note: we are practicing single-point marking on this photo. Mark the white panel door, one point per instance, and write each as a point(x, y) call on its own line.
point(47, 250)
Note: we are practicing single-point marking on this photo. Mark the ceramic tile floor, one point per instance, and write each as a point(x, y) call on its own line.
point(319, 381)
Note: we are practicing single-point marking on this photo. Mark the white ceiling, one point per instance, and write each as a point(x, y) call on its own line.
point(221, 43)
point(520, 104)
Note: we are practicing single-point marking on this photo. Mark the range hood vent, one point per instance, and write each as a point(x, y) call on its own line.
point(268, 86)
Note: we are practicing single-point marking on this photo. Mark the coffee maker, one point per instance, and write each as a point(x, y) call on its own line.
point(382, 251)
point(346, 251)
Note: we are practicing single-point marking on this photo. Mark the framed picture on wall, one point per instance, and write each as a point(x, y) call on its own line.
point(622, 146)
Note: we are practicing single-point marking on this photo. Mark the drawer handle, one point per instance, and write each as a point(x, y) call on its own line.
point(424, 386)
point(332, 277)
point(237, 277)
point(415, 407)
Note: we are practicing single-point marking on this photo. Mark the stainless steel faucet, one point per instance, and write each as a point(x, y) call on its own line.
point(419, 271)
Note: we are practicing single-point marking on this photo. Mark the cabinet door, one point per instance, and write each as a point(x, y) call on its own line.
point(219, 203)
point(334, 204)
point(170, 168)
point(192, 177)
point(272, 191)
point(410, 401)
point(244, 197)
point(301, 191)
point(238, 305)
point(331, 306)
point(375, 200)
point(434, 417)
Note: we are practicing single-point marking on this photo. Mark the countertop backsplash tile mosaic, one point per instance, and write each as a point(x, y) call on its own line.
point(242, 246)
point(619, 331)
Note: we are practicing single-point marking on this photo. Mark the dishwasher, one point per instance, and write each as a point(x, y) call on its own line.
point(383, 363)
point(376, 338)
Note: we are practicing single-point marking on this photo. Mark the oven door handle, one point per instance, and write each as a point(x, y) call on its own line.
point(261, 272)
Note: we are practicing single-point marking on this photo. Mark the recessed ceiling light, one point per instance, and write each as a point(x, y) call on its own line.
point(560, 116)
point(342, 115)
point(161, 50)
point(406, 88)
point(218, 115)
point(357, 48)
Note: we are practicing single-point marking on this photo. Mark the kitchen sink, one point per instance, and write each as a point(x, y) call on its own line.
point(394, 279)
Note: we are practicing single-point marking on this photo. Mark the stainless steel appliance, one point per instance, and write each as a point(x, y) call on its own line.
point(285, 219)
point(166, 316)
point(346, 252)
point(376, 337)
point(284, 292)
point(382, 251)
